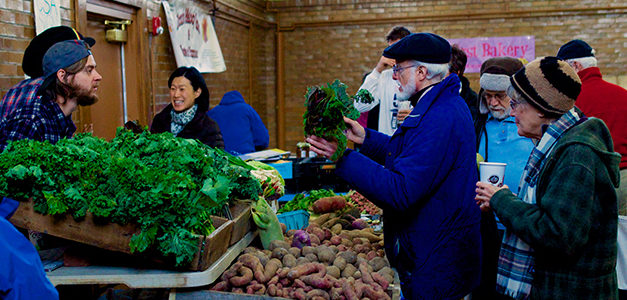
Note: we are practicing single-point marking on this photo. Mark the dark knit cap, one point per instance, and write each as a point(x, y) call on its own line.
point(34, 53)
point(549, 84)
point(423, 47)
point(575, 49)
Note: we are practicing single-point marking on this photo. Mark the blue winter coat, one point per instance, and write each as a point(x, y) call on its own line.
point(242, 128)
point(22, 275)
point(426, 187)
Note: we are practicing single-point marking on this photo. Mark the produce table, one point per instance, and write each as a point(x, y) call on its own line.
point(146, 278)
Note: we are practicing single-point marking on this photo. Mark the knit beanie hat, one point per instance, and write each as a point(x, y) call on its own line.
point(549, 84)
point(495, 73)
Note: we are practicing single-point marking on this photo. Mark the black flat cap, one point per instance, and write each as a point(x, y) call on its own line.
point(575, 49)
point(34, 54)
point(424, 47)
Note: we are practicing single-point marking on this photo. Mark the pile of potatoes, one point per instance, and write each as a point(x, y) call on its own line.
point(346, 265)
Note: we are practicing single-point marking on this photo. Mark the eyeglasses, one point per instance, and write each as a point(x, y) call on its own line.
point(499, 97)
point(397, 70)
point(515, 104)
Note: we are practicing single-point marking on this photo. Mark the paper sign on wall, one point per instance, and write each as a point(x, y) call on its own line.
point(480, 49)
point(194, 39)
point(46, 14)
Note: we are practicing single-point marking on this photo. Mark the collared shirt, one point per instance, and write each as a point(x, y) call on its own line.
point(19, 95)
point(42, 120)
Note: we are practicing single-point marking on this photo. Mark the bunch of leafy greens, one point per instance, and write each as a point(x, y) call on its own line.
point(168, 186)
point(304, 202)
point(326, 107)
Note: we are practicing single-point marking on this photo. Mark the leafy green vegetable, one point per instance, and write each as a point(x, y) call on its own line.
point(168, 186)
point(304, 202)
point(326, 107)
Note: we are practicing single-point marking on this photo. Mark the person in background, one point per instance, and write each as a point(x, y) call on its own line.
point(497, 141)
point(70, 80)
point(608, 102)
point(423, 176)
point(458, 66)
point(383, 88)
point(186, 115)
point(25, 91)
point(560, 238)
point(242, 128)
point(22, 274)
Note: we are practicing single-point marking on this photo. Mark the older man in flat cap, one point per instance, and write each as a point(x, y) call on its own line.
point(423, 176)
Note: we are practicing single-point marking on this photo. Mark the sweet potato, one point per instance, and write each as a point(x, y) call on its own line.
point(221, 286)
point(336, 240)
point(329, 223)
point(299, 283)
point(299, 294)
point(373, 293)
point(317, 293)
point(258, 289)
point(246, 276)
point(327, 234)
point(272, 290)
point(271, 268)
point(289, 260)
point(263, 258)
point(302, 260)
point(254, 264)
point(321, 219)
point(387, 273)
point(363, 234)
point(334, 249)
point(365, 274)
point(342, 248)
point(336, 229)
point(237, 290)
point(349, 290)
point(274, 280)
point(230, 272)
point(306, 269)
point(315, 241)
point(318, 282)
point(378, 278)
point(328, 204)
point(371, 255)
point(336, 293)
point(319, 233)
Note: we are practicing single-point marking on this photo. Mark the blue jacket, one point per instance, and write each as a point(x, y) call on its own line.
point(22, 275)
point(242, 128)
point(426, 187)
point(506, 146)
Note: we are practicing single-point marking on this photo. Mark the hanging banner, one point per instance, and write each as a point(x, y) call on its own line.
point(194, 39)
point(480, 49)
point(46, 14)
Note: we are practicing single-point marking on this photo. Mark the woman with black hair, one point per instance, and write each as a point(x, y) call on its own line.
point(186, 115)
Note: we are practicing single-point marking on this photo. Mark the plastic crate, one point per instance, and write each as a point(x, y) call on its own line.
point(297, 219)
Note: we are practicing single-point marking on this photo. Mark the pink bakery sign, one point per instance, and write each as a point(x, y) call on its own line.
point(480, 49)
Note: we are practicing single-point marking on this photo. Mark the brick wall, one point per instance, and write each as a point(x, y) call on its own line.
point(327, 42)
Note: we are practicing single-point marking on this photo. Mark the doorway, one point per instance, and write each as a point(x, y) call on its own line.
point(119, 77)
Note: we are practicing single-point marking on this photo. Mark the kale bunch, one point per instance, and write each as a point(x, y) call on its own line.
point(326, 107)
point(168, 186)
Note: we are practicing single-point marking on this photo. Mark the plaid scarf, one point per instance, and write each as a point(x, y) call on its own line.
point(179, 120)
point(516, 262)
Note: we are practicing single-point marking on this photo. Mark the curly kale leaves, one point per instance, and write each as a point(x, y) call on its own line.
point(326, 107)
point(168, 186)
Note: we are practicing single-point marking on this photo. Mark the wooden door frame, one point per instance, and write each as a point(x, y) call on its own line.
point(141, 35)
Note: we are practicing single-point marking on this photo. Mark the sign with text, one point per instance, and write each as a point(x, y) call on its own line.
point(194, 39)
point(480, 49)
point(46, 14)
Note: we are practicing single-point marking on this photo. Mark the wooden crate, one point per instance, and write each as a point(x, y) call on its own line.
point(115, 237)
point(242, 219)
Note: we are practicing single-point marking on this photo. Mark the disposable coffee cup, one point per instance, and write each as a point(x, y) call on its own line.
point(404, 105)
point(492, 173)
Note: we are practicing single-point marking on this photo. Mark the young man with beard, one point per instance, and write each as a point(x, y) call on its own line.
point(497, 141)
point(422, 176)
point(71, 80)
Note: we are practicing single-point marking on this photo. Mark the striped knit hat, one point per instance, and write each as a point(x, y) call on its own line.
point(549, 84)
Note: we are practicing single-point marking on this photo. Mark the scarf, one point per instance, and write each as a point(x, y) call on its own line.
point(516, 262)
point(179, 120)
